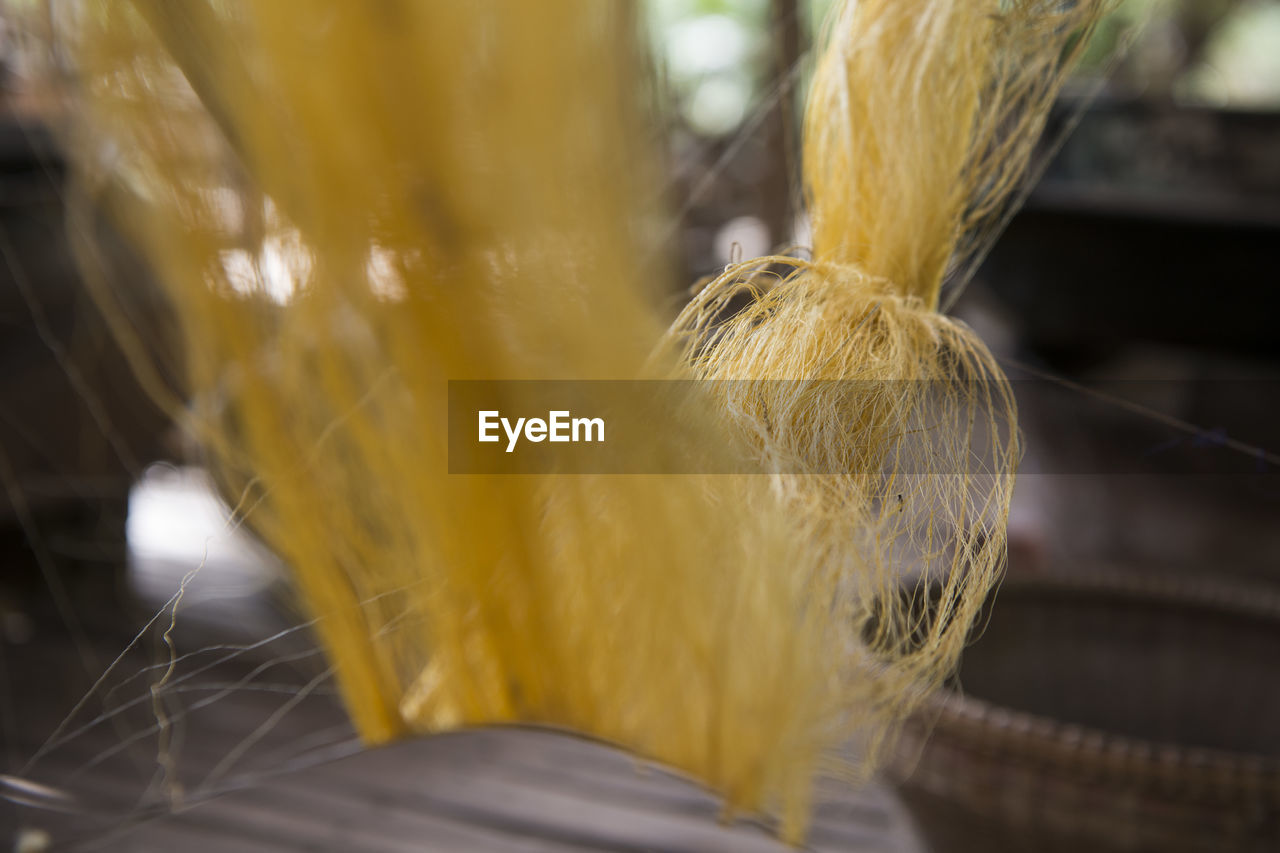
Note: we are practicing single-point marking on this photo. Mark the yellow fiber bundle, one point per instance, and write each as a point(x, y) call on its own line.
point(352, 203)
point(919, 127)
point(368, 202)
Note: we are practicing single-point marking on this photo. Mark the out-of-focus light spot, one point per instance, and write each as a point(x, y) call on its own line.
point(278, 270)
point(177, 523)
point(285, 265)
point(741, 239)
point(1241, 66)
point(718, 105)
point(32, 840)
point(226, 207)
point(237, 267)
point(707, 44)
point(383, 272)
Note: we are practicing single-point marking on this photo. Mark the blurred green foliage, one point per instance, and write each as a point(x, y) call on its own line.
point(715, 53)
point(1212, 52)
point(714, 58)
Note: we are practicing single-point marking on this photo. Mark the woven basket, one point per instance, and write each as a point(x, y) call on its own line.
point(1106, 715)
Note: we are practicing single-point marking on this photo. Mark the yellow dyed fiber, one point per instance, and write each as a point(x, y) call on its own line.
point(919, 127)
point(351, 203)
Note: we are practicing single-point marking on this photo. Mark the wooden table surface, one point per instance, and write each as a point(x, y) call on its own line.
point(499, 790)
point(244, 746)
point(299, 780)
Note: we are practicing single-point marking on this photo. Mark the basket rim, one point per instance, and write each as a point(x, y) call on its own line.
point(1024, 736)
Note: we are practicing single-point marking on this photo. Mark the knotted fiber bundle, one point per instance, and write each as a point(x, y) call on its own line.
point(919, 128)
point(350, 204)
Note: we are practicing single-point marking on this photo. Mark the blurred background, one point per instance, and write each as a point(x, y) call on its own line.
point(1126, 694)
